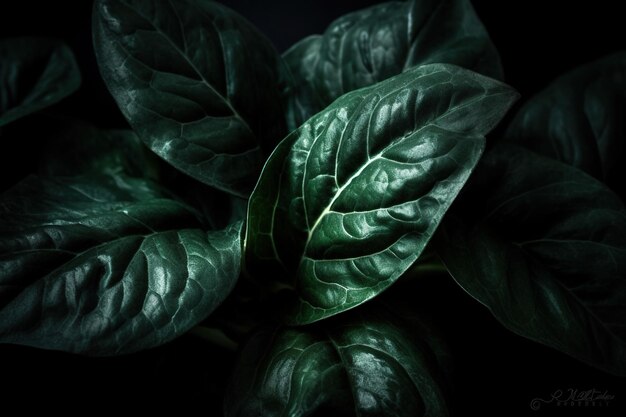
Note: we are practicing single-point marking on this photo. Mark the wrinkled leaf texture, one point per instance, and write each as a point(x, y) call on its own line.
point(348, 201)
point(199, 85)
point(105, 265)
point(370, 45)
point(365, 363)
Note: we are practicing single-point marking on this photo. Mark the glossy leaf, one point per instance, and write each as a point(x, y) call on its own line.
point(106, 265)
point(365, 364)
point(199, 85)
point(543, 246)
point(34, 74)
point(348, 201)
point(579, 120)
point(370, 45)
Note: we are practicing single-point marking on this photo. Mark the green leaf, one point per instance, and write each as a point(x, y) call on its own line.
point(373, 44)
point(34, 73)
point(106, 265)
point(543, 246)
point(305, 98)
point(367, 363)
point(199, 85)
point(77, 148)
point(579, 119)
point(348, 201)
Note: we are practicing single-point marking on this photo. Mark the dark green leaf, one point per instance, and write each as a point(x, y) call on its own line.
point(367, 363)
point(106, 265)
point(579, 119)
point(543, 246)
point(197, 82)
point(348, 201)
point(215, 208)
point(304, 99)
point(370, 45)
point(34, 73)
point(78, 148)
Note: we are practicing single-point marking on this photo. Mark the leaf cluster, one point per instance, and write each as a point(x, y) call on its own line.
point(284, 205)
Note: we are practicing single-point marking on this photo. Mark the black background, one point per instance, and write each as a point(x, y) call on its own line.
point(496, 371)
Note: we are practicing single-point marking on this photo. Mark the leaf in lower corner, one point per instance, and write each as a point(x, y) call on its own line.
point(363, 363)
point(106, 265)
point(197, 82)
point(34, 74)
point(543, 246)
point(348, 201)
point(370, 45)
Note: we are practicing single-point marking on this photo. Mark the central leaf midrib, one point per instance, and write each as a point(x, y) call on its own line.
point(191, 64)
point(432, 122)
point(340, 190)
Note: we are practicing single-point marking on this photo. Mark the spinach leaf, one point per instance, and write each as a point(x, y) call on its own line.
point(370, 45)
point(366, 363)
point(199, 85)
point(34, 74)
point(106, 265)
point(579, 119)
point(543, 246)
point(347, 202)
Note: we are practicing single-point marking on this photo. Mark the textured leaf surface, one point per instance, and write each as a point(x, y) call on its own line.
point(197, 82)
point(106, 266)
point(348, 201)
point(543, 246)
point(75, 148)
point(579, 119)
point(373, 44)
point(34, 74)
point(365, 364)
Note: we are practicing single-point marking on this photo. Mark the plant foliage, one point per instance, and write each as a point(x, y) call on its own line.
point(271, 203)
